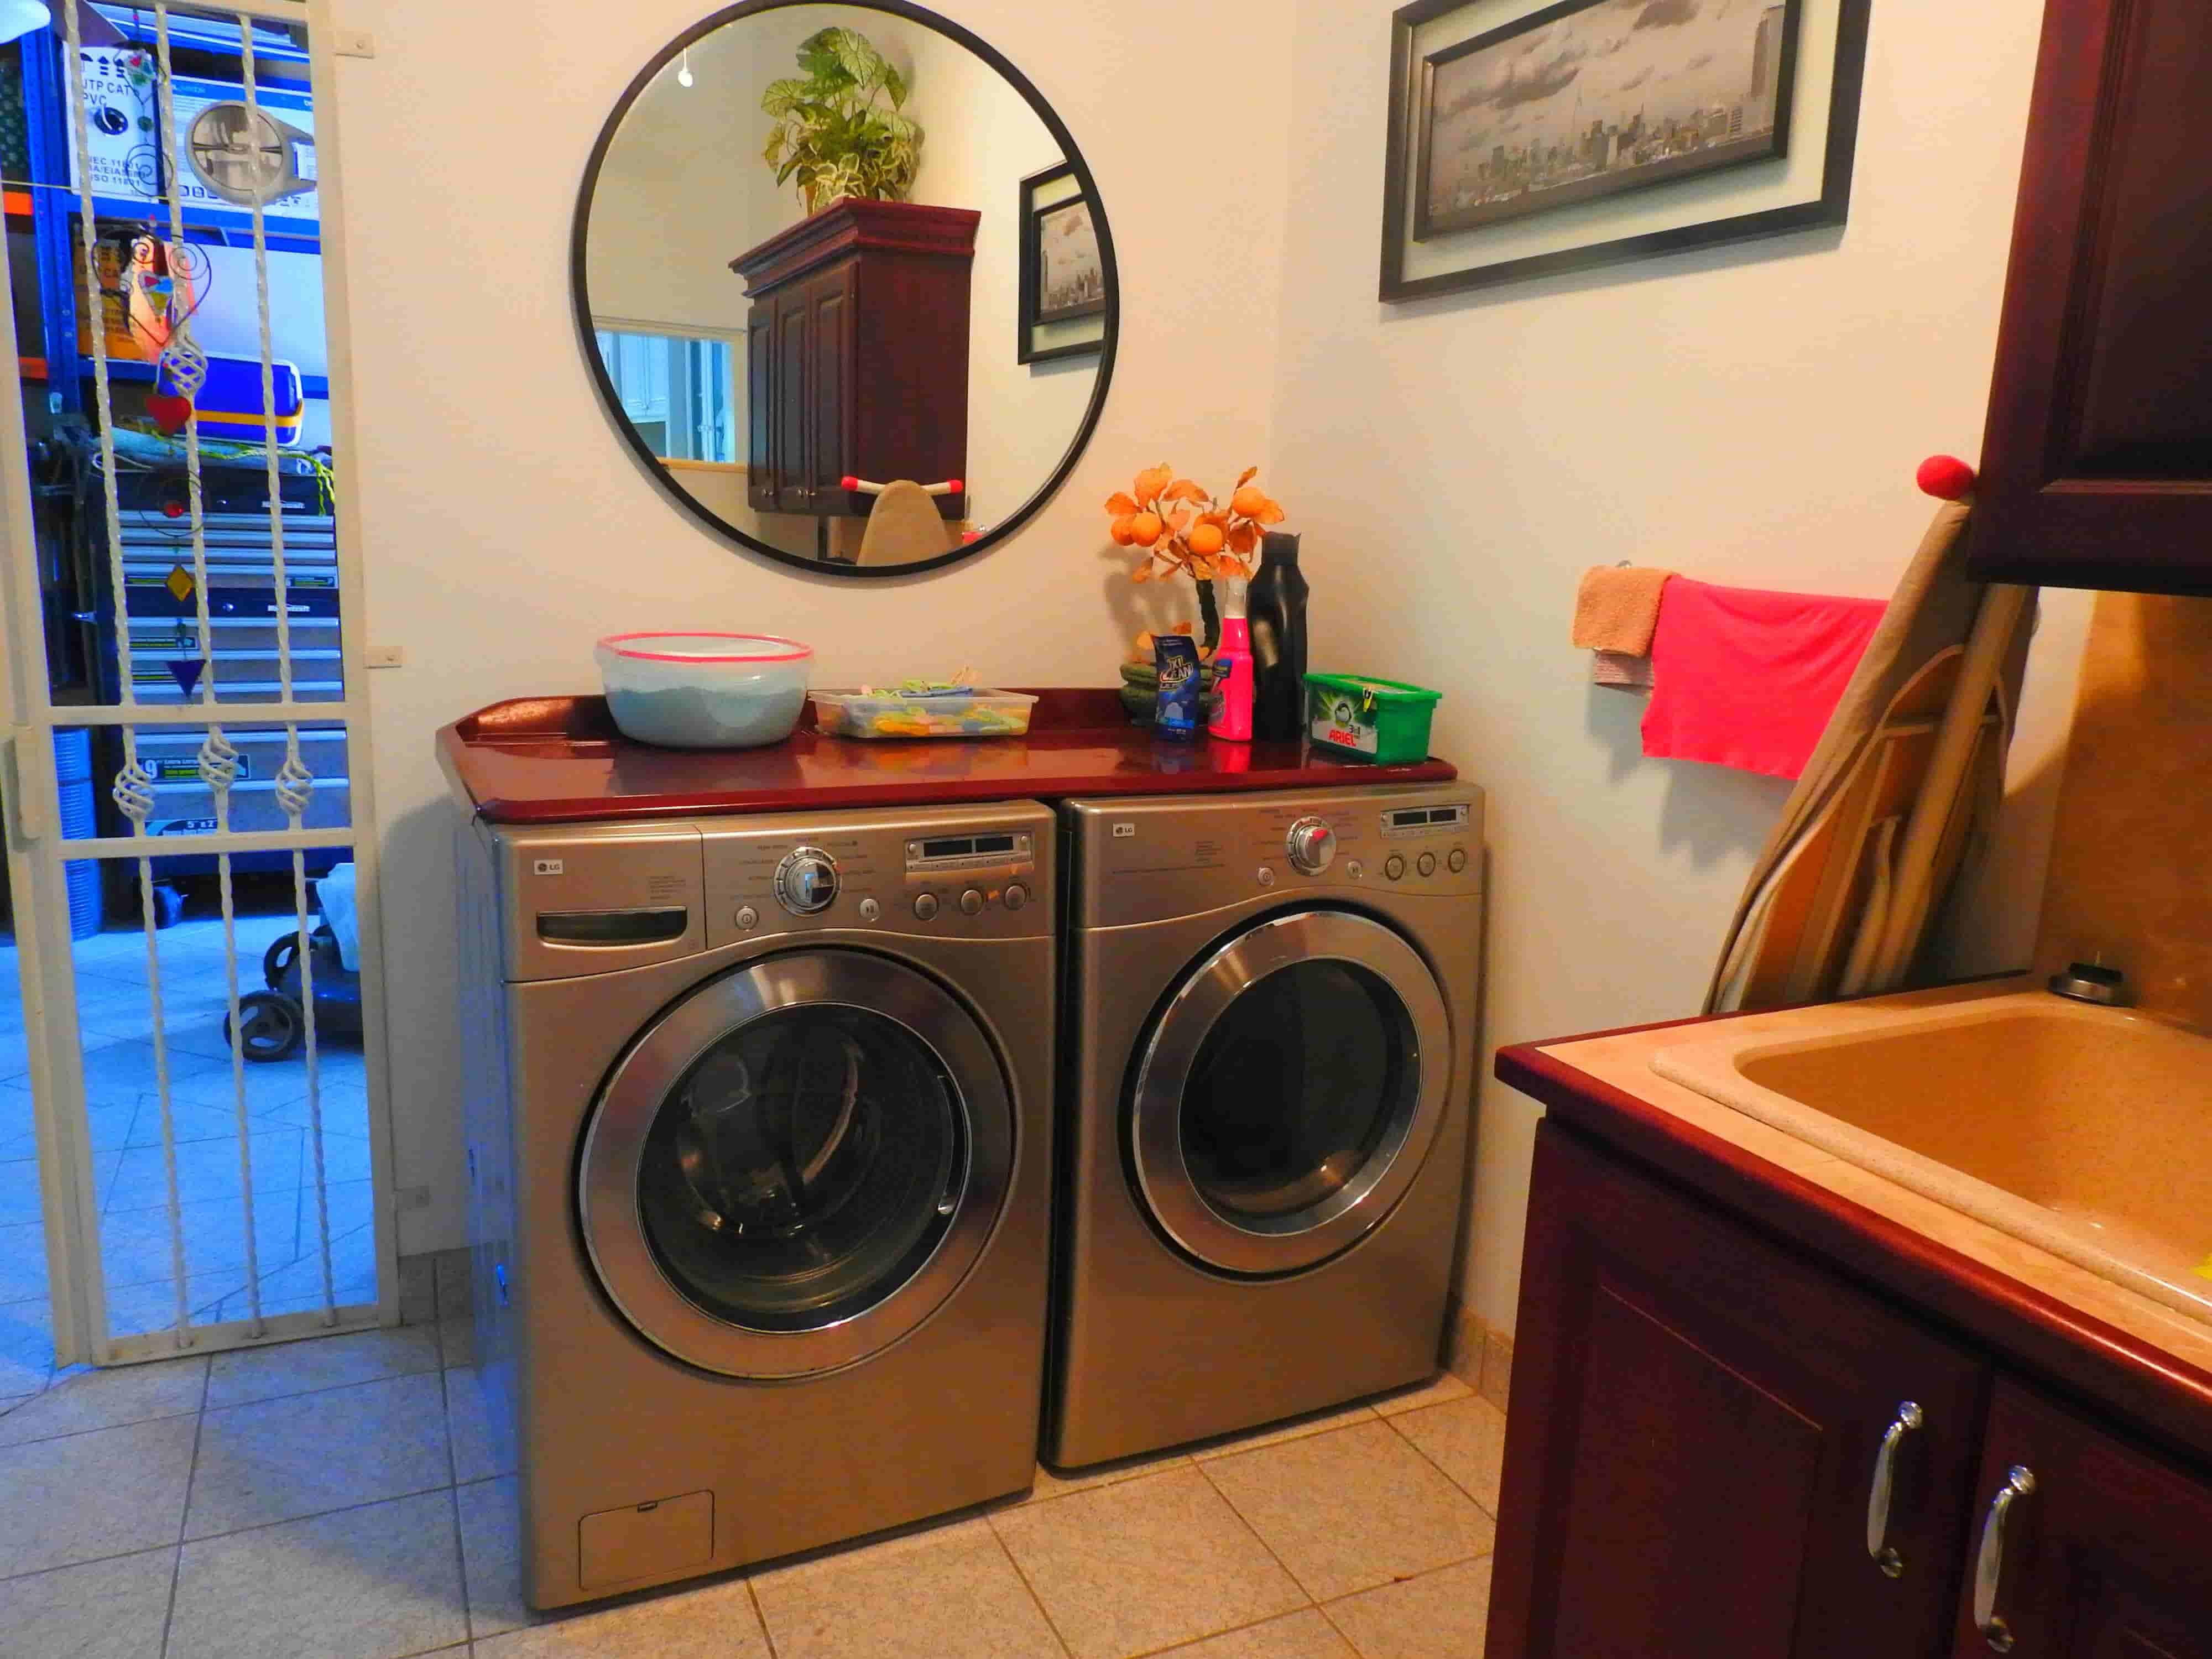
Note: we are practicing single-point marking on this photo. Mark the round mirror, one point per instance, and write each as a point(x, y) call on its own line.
point(845, 284)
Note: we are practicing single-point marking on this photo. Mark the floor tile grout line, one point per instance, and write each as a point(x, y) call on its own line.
point(991, 1522)
point(185, 1509)
point(760, 1615)
point(1183, 1642)
point(312, 1514)
point(1457, 1484)
point(1245, 1522)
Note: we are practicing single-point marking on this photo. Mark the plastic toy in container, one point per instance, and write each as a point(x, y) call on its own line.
point(705, 690)
point(921, 710)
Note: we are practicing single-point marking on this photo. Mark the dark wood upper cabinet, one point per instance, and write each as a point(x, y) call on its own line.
point(2097, 462)
point(1698, 1444)
point(2105, 1555)
point(868, 305)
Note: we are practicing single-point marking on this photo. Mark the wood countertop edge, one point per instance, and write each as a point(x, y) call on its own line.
point(2109, 1370)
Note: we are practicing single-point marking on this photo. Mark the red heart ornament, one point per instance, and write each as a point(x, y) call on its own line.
point(169, 411)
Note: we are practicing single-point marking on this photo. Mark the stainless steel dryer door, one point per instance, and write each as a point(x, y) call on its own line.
point(1290, 1092)
point(797, 1164)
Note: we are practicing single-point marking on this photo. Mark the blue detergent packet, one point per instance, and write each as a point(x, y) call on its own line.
point(1179, 714)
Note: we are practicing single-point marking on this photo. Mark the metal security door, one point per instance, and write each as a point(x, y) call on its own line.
point(214, 1156)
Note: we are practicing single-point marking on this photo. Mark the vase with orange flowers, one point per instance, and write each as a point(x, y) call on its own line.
point(1178, 528)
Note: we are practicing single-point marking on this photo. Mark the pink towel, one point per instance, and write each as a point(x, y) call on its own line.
point(1749, 679)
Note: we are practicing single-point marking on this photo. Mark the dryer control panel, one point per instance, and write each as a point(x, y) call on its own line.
point(1141, 861)
point(965, 873)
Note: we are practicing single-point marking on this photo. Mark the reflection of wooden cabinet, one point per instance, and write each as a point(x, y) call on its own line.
point(2097, 465)
point(1696, 1445)
point(856, 355)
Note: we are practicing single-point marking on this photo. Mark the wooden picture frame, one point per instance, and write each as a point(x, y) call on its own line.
point(1419, 245)
point(1049, 330)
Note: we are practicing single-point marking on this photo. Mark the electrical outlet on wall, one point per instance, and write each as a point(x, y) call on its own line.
point(385, 656)
point(353, 43)
point(414, 1198)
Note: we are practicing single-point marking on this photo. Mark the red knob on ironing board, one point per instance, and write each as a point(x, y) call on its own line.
point(954, 486)
point(1946, 478)
point(848, 481)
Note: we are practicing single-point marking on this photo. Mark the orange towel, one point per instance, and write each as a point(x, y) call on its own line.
point(1617, 609)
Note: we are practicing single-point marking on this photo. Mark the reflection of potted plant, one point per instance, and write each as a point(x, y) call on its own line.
point(1182, 530)
point(838, 128)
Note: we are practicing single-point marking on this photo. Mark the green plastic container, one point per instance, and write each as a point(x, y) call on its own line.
point(1364, 718)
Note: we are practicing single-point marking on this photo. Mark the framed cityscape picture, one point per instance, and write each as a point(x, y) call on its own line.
point(1062, 309)
point(1528, 138)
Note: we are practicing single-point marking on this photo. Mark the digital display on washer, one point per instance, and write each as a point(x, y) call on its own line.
point(966, 849)
point(1421, 820)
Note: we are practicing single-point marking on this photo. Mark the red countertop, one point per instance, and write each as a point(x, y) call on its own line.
point(560, 759)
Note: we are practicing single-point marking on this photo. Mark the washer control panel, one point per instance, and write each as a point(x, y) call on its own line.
point(1142, 860)
point(806, 881)
point(969, 872)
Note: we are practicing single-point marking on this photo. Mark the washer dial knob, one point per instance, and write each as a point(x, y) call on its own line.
point(1311, 846)
point(806, 881)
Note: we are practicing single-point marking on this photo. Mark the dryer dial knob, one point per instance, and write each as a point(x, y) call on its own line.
point(1311, 846)
point(807, 882)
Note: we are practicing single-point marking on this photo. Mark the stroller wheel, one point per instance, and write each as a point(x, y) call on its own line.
point(277, 957)
point(272, 1023)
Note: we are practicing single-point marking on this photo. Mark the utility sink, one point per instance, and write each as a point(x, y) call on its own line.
point(2085, 1131)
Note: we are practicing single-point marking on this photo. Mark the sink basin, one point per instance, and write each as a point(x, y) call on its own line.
point(2085, 1131)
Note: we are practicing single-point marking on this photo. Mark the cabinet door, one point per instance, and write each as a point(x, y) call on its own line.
point(2097, 465)
point(761, 470)
point(794, 382)
point(1697, 1441)
point(829, 300)
point(2102, 1551)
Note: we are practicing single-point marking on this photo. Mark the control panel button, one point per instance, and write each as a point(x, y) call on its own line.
point(806, 881)
point(1266, 876)
point(871, 911)
point(1394, 867)
point(1311, 846)
point(971, 904)
point(1458, 860)
point(1427, 866)
point(748, 918)
point(1017, 896)
point(925, 907)
point(1355, 869)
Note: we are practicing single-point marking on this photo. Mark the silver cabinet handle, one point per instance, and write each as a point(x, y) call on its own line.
point(1909, 1417)
point(1989, 1564)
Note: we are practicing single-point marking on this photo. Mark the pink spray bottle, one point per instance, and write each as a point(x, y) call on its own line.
point(1232, 692)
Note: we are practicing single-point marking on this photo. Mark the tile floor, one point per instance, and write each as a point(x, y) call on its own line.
point(122, 1110)
point(334, 1500)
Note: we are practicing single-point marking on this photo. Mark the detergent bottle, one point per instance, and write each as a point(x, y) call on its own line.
point(1232, 692)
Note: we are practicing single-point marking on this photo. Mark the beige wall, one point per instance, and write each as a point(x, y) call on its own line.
point(2128, 883)
point(1750, 414)
point(506, 529)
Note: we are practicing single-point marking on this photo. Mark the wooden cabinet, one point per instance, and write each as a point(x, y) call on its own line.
point(857, 345)
point(2097, 462)
point(2106, 1553)
point(1721, 1446)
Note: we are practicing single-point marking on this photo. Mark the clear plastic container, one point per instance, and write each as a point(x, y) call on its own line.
point(956, 715)
point(705, 690)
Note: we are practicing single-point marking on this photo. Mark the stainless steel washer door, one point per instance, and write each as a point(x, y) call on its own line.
point(1289, 1092)
point(797, 1164)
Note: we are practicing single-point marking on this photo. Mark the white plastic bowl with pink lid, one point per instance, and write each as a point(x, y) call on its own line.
point(705, 690)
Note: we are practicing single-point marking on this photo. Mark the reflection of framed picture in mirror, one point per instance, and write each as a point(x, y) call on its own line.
point(1530, 137)
point(1062, 312)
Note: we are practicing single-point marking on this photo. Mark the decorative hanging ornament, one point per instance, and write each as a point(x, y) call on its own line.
point(169, 412)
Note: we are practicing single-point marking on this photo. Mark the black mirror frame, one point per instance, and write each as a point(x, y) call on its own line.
point(579, 287)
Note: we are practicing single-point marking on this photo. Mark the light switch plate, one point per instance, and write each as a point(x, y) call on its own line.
point(385, 656)
point(353, 43)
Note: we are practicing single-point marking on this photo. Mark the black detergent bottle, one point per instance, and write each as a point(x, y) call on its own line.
point(1276, 605)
